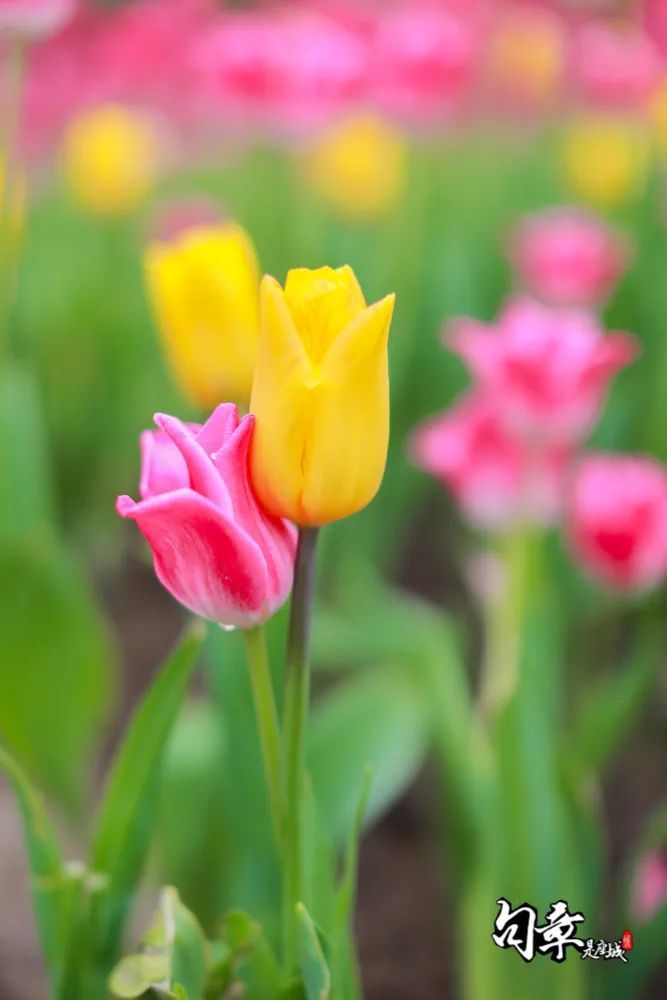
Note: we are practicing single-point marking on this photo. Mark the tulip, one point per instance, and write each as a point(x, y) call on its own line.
point(614, 67)
point(497, 480)
point(33, 19)
point(649, 893)
point(109, 159)
point(358, 167)
point(320, 396)
point(547, 370)
point(214, 548)
point(567, 258)
point(617, 516)
point(604, 159)
point(204, 288)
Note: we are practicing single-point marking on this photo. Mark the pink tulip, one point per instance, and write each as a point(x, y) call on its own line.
point(214, 548)
point(614, 67)
point(34, 19)
point(650, 887)
point(423, 61)
point(617, 517)
point(496, 479)
point(547, 370)
point(567, 258)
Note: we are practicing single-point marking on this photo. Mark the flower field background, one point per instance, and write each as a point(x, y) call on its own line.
point(488, 704)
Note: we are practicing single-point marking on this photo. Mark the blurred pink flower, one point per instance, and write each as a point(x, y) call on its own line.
point(214, 547)
point(546, 369)
point(617, 519)
point(654, 17)
point(322, 69)
point(567, 258)
point(614, 66)
point(496, 479)
point(237, 62)
point(423, 61)
point(649, 892)
point(34, 19)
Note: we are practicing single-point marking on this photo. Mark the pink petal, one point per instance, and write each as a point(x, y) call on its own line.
point(204, 477)
point(202, 558)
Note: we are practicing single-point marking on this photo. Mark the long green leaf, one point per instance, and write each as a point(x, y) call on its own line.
point(127, 814)
point(47, 868)
point(313, 966)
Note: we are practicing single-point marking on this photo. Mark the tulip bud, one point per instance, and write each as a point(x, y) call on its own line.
point(618, 519)
point(214, 548)
point(320, 396)
point(204, 288)
point(109, 159)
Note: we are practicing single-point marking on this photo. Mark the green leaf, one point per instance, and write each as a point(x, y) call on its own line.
point(172, 956)
point(47, 868)
point(312, 964)
point(56, 673)
point(612, 704)
point(26, 501)
point(243, 951)
point(127, 813)
point(379, 718)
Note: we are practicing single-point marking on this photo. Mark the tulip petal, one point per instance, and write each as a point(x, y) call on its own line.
point(281, 394)
point(204, 478)
point(218, 428)
point(275, 536)
point(201, 557)
point(163, 467)
point(353, 394)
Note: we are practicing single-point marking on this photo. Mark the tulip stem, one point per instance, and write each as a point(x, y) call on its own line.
point(267, 722)
point(295, 708)
point(504, 624)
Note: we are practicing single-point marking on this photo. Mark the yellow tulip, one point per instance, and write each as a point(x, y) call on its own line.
point(204, 288)
point(109, 159)
point(358, 167)
point(320, 396)
point(604, 159)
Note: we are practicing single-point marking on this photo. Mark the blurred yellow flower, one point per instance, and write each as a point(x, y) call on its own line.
point(604, 159)
point(527, 57)
point(320, 396)
point(204, 289)
point(110, 158)
point(358, 167)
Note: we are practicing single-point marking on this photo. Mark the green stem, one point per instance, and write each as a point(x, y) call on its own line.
point(504, 624)
point(296, 696)
point(9, 204)
point(267, 721)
